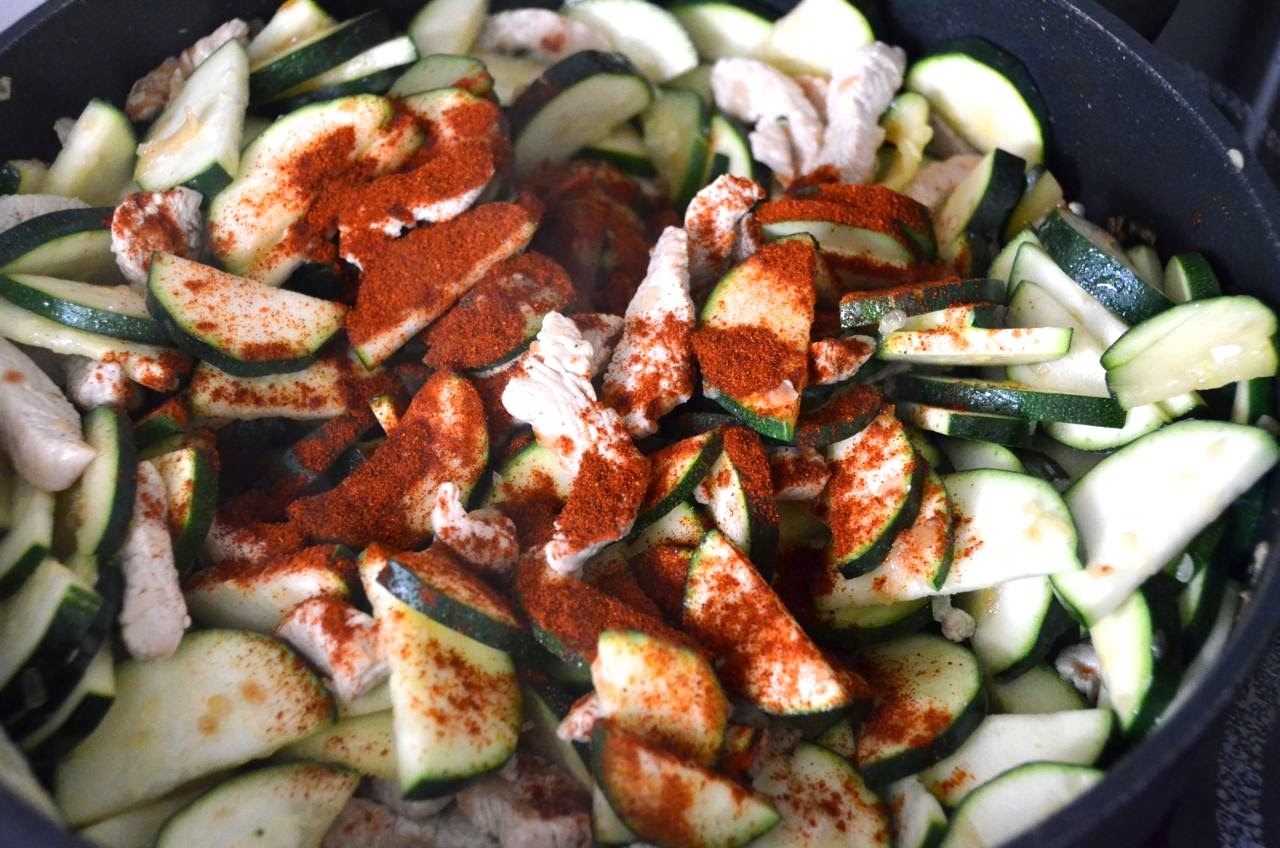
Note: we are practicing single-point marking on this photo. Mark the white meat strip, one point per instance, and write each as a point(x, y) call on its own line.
point(1079, 666)
point(577, 724)
point(838, 359)
point(91, 383)
point(340, 640)
point(935, 181)
point(160, 221)
point(539, 806)
point(815, 88)
point(763, 96)
point(17, 208)
point(712, 224)
point(862, 86)
point(39, 428)
point(651, 371)
point(540, 34)
point(364, 823)
point(602, 330)
point(148, 96)
point(153, 614)
point(484, 538)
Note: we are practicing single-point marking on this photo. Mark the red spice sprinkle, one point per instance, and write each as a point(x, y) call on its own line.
point(605, 496)
point(11, 376)
point(661, 572)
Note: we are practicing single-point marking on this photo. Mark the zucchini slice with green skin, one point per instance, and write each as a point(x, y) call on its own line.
point(455, 702)
point(907, 133)
point(290, 804)
point(990, 546)
point(648, 35)
point(844, 413)
point(216, 94)
point(576, 101)
point(1201, 344)
point(1146, 262)
point(866, 308)
point(443, 70)
point(964, 424)
point(983, 201)
point(823, 802)
point(96, 161)
point(675, 471)
point(116, 311)
point(28, 541)
point(1016, 624)
point(606, 827)
point(815, 35)
point(875, 491)
point(722, 30)
point(1141, 678)
point(191, 483)
point(272, 76)
point(1138, 508)
point(914, 677)
point(738, 494)
point(530, 471)
point(100, 504)
point(224, 595)
point(77, 716)
point(238, 325)
point(437, 585)
point(68, 244)
point(316, 392)
point(1039, 689)
point(22, 176)
point(370, 71)
point(844, 235)
point(448, 26)
point(1043, 195)
point(291, 24)
point(159, 734)
point(636, 776)
point(1017, 801)
point(1080, 370)
point(766, 303)
point(967, 454)
point(162, 426)
point(729, 141)
point(1002, 266)
point(139, 825)
point(854, 626)
point(664, 693)
point(623, 148)
point(1095, 261)
point(976, 346)
point(676, 129)
point(987, 95)
point(1189, 276)
point(364, 743)
point(731, 610)
point(1005, 397)
point(546, 703)
point(918, 820)
point(682, 526)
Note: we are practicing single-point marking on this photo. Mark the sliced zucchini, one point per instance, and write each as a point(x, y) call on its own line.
point(1017, 801)
point(1039, 689)
point(1095, 261)
point(722, 30)
point(728, 143)
point(918, 819)
point(315, 393)
point(191, 482)
point(443, 70)
point(511, 74)
point(823, 802)
point(965, 424)
point(731, 610)
point(1043, 195)
point(372, 71)
point(815, 35)
point(28, 541)
point(1005, 397)
point(636, 777)
point(929, 698)
point(1139, 507)
point(99, 506)
point(845, 236)
point(1201, 344)
point(675, 471)
point(676, 129)
point(364, 743)
point(116, 311)
point(271, 76)
point(238, 325)
point(1008, 525)
point(976, 346)
point(983, 201)
point(855, 626)
point(967, 454)
point(530, 471)
point(196, 141)
point(867, 308)
point(606, 827)
point(1080, 370)
point(226, 697)
point(1146, 262)
point(574, 102)
point(292, 804)
point(69, 244)
point(986, 95)
point(546, 703)
point(292, 23)
point(78, 714)
point(230, 595)
point(907, 133)
point(1002, 266)
point(1139, 675)
point(139, 825)
point(448, 26)
point(1188, 276)
point(96, 162)
point(1016, 624)
point(623, 148)
point(845, 413)
point(648, 35)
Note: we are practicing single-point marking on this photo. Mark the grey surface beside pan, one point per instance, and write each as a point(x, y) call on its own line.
point(1133, 134)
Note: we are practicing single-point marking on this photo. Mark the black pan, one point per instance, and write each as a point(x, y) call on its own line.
point(1133, 134)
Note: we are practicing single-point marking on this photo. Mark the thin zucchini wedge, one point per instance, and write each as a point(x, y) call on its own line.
point(238, 325)
point(291, 24)
point(918, 819)
point(965, 424)
point(624, 148)
point(676, 130)
point(722, 30)
point(867, 308)
point(77, 715)
point(69, 244)
point(1017, 801)
point(196, 141)
point(316, 392)
point(22, 176)
point(191, 483)
point(967, 454)
point(116, 311)
point(364, 743)
point(1094, 259)
point(914, 677)
point(576, 101)
point(546, 703)
point(983, 201)
point(97, 509)
point(139, 825)
point(371, 71)
point(1043, 195)
point(738, 493)
point(1146, 262)
point(1016, 624)
point(845, 413)
point(907, 133)
point(291, 804)
point(443, 70)
point(30, 537)
point(1003, 742)
point(814, 35)
point(448, 26)
point(160, 732)
point(1080, 370)
point(648, 35)
point(987, 95)
point(823, 801)
point(1005, 397)
point(675, 471)
point(854, 626)
point(1141, 677)
point(1189, 276)
point(227, 594)
point(976, 346)
point(1139, 507)
point(96, 162)
point(1039, 689)
point(636, 776)
point(1002, 266)
point(991, 545)
point(728, 151)
point(274, 75)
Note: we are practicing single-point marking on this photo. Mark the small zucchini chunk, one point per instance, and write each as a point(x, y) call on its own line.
point(738, 493)
point(239, 325)
point(365, 743)
point(291, 804)
point(823, 802)
point(1016, 801)
point(638, 780)
point(674, 472)
point(191, 484)
point(664, 693)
